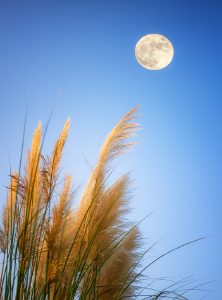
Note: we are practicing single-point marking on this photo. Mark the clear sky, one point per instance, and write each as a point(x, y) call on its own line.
point(90, 46)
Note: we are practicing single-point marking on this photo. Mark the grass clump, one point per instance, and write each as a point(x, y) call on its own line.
point(54, 251)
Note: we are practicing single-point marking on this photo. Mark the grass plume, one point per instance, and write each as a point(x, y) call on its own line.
point(55, 251)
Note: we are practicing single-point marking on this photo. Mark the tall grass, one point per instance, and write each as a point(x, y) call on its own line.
point(52, 250)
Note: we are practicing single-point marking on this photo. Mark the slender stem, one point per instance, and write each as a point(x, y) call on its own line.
point(3, 267)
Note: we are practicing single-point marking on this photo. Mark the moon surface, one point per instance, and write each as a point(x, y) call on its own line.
point(154, 51)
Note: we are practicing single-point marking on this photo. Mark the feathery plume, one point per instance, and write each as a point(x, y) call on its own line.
point(51, 164)
point(58, 239)
point(103, 211)
point(57, 151)
point(9, 216)
point(113, 147)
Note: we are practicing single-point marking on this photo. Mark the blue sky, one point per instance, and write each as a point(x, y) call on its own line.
point(90, 47)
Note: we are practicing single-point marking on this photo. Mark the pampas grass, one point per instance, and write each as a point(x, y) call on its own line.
point(55, 251)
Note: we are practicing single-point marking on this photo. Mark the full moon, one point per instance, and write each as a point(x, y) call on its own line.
point(154, 51)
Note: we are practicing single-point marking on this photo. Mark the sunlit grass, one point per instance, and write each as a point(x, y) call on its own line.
point(55, 251)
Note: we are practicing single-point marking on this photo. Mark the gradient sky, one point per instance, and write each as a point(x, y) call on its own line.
point(90, 47)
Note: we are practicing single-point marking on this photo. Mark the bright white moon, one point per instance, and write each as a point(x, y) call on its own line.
point(154, 51)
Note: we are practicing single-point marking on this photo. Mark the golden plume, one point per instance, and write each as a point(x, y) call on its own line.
point(107, 208)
